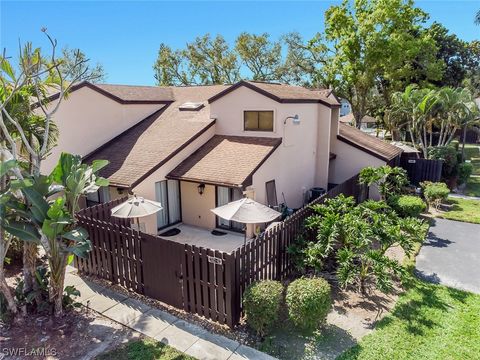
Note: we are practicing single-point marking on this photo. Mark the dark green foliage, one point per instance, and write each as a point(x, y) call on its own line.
point(261, 303)
point(450, 159)
point(408, 205)
point(464, 172)
point(309, 301)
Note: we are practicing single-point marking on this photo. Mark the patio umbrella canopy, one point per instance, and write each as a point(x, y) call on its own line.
point(246, 211)
point(136, 207)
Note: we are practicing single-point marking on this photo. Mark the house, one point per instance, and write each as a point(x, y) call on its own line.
point(345, 107)
point(193, 148)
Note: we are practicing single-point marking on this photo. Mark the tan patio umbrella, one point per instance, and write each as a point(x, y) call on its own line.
point(135, 208)
point(246, 211)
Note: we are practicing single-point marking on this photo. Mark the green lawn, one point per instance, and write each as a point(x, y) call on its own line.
point(463, 210)
point(473, 185)
point(145, 350)
point(428, 322)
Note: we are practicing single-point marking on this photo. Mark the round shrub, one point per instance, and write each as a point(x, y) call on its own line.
point(261, 303)
point(435, 193)
point(309, 301)
point(408, 205)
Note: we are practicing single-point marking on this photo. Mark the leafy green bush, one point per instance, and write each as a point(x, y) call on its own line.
point(435, 193)
point(309, 301)
point(464, 172)
point(450, 159)
point(391, 181)
point(261, 303)
point(408, 205)
point(358, 239)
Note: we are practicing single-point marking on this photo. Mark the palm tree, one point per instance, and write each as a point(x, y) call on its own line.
point(469, 115)
point(477, 18)
point(416, 108)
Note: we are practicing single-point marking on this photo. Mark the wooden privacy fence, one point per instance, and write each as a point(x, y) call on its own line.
point(199, 280)
point(422, 169)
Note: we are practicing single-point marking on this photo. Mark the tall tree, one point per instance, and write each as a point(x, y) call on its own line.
point(460, 57)
point(204, 61)
point(261, 56)
point(372, 44)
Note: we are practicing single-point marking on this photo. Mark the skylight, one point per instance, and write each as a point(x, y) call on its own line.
point(191, 106)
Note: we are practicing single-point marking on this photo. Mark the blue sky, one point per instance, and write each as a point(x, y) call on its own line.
point(124, 36)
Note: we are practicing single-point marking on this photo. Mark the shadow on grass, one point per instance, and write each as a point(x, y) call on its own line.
point(288, 344)
point(422, 296)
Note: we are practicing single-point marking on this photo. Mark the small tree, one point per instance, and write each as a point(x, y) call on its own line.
point(52, 219)
point(26, 118)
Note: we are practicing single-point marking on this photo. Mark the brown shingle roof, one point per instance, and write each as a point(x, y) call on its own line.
point(226, 160)
point(367, 143)
point(285, 93)
point(138, 93)
point(143, 148)
point(349, 119)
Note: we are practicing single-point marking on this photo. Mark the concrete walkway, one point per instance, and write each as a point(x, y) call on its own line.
point(160, 325)
point(451, 255)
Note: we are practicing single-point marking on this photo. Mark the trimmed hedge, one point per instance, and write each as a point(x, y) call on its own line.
point(408, 205)
point(309, 301)
point(261, 303)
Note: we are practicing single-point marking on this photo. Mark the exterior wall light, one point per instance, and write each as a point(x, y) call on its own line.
point(201, 188)
point(295, 119)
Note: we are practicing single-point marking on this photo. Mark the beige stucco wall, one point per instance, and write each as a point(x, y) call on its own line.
point(146, 188)
point(349, 161)
point(196, 207)
point(87, 120)
point(293, 164)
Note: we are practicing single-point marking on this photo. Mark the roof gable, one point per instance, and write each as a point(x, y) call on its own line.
point(283, 93)
point(146, 146)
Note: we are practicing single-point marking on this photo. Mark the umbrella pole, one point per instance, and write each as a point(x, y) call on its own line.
point(245, 237)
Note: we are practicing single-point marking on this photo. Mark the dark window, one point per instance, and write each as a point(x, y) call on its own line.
point(167, 192)
point(258, 120)
point(224, 196)
point(271, 193)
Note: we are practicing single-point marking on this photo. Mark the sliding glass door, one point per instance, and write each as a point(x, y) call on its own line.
point(224, 196)
point(167, 192)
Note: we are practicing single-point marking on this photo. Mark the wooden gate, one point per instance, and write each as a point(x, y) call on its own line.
point(422, 170)
point(162, 269)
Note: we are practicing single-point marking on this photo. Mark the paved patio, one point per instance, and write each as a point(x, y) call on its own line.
point(203, 237)
point(160, 325)
point(451, 255)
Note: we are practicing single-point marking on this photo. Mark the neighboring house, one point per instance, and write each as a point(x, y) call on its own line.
point(197, 147)
point(345, 107)
point(369, 123)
